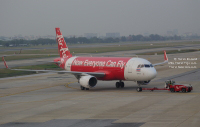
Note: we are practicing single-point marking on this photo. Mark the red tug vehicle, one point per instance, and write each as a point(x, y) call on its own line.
point(170, 85)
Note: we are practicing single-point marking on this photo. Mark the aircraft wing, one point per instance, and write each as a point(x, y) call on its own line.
point(165, 60)
point(57, 62)
point(76, 73)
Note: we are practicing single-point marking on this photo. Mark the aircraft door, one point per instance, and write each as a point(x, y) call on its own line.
point(129, 73)
point(130, 67)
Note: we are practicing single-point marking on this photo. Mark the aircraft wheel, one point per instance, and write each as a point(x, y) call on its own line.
point(189, 89)
point(82, 88)
point(183, 90)
point(117, 84)
point(172, 90)
point(122, 84)
point(139, 89)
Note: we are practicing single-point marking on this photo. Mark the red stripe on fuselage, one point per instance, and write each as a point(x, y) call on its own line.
point(112, 66)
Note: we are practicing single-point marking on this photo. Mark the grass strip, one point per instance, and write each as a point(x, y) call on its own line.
point(170, 52)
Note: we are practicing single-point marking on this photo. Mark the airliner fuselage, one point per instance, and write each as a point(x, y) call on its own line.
point(115, 68)
point(88, 70)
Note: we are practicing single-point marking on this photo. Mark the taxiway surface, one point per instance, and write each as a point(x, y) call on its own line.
point(50, 100)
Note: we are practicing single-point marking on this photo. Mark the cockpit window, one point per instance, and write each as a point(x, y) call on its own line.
point(147, 65)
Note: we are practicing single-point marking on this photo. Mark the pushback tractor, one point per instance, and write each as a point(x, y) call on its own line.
point(170, 85)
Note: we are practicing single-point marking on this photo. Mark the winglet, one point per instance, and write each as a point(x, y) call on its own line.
point(4, 62)
point(165, 56)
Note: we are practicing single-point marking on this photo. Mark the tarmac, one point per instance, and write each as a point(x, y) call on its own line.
point(49, 99)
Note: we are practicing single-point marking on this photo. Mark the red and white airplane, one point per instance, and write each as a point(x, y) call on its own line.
point(90, 69)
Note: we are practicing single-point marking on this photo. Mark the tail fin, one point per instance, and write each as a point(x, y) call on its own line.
point(62, 46)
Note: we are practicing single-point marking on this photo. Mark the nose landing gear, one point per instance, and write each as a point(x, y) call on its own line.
point(139, 89)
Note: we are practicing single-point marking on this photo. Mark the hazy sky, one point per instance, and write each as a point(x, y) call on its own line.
point(76, 17)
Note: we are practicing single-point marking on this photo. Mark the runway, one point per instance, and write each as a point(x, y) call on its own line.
point(56, 100)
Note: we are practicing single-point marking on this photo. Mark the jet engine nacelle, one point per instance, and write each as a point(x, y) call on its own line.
point(88, 81)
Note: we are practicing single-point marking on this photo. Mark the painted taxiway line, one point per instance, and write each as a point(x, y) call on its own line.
point(67, 85)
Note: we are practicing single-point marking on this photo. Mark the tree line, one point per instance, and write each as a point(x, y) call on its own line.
point(81, 40)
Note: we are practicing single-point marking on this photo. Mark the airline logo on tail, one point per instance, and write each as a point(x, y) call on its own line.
point(62, 47)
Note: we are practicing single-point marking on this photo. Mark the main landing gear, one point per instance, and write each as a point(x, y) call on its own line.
point(83, 88)
point(119, 84)
point(139, 89)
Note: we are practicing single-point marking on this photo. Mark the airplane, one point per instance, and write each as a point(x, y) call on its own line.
point(88, 70)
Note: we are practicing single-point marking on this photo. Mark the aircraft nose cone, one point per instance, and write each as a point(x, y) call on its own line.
point(152, 73)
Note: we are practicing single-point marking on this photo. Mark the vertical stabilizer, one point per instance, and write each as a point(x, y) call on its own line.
point(62, 46)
